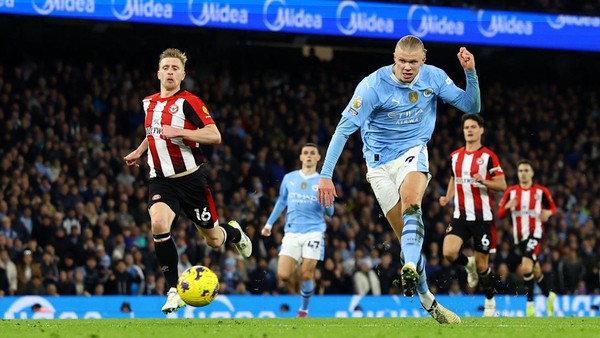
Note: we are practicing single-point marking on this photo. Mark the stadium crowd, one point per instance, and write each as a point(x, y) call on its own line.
point(74, 217)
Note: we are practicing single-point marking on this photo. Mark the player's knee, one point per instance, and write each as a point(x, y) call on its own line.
point(283, 276)
point(160, 225)
point(307, 275)
point(450, 255)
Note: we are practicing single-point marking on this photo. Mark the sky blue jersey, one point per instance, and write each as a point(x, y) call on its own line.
point(395, 117)
point(304, 212)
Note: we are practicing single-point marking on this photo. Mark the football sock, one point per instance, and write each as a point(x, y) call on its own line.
point(411, 240)
point(422, 286)
point(232, 235)
point(486, 280)
point(542, 283)
point(528, 277)
point(166, 252)
point(426, 299)
point(306, 291)
point(461, 259)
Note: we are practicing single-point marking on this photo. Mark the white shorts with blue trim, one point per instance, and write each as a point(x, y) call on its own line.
point(309, 245)
point(386, 179)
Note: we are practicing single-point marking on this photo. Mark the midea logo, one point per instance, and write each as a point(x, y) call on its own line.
point(503, 24)
point(572, 20)
point(421, 22)
point(141, 8)
point(45, 7)
point(360, 21)
point(217, 12)
point(288, 17)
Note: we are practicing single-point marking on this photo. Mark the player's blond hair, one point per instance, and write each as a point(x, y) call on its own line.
point(173, 53)
point(411, 43)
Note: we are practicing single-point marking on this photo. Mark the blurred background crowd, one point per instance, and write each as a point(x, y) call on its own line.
point(74, 218)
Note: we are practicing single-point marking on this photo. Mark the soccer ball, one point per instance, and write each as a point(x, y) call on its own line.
point(198, 286)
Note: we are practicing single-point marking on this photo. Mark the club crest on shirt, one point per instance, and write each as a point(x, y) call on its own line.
point(428, 92)
point(357, 102)
point(205, 110)
point(303, 185)
point(315, 187)
point(413, 97)
point(156, 197)
point(173, 109)
point(449, 228)
point(479, 161)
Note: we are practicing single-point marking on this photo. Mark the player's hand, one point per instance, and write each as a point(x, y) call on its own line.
point(132, 158)
point(545, 215)
point(169, 132)
point(511, 204)
point(326, 192)
point(266, 231)
point(467, 60)
point(444, 201)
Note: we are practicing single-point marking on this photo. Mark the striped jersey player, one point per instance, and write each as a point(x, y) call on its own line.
point(176, 123)
point(530, 205)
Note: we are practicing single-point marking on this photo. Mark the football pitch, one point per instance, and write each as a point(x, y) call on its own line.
point(303, 327)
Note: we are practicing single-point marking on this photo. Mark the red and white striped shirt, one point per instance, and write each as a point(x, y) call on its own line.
point(528, 207)
point(472, 199)
point(183, 110)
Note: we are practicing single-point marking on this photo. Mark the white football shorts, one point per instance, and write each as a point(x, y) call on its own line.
point(387, 178)
point(309, 245)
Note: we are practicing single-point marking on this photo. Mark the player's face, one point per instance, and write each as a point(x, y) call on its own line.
point(309, 156)
point(171, 73)
point(408, 63)
point(525, 173)
point(472, 131)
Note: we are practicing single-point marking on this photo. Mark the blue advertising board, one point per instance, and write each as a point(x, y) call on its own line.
point(338, 18)
point(73, 307)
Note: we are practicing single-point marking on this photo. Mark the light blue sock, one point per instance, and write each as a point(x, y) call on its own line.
point(422, 287)
point(412, 234)
point(306, 291)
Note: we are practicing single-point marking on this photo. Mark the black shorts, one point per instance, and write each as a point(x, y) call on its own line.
point(189, 193)
point(531, 248)
point(482, 232)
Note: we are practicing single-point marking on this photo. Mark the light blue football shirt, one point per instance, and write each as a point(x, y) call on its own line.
point(304, 212)
point(395, 117)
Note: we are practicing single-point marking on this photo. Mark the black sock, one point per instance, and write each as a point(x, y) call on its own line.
point(461, 259)
point(486, 280)
point(166, 252)
point(542, 283)
point(528, 277)
point(233, 234)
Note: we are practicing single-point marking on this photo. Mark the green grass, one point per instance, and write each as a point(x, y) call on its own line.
point(563, 327)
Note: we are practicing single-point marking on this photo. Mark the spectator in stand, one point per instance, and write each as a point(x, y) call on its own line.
point(26, 270)
point(10, 269)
